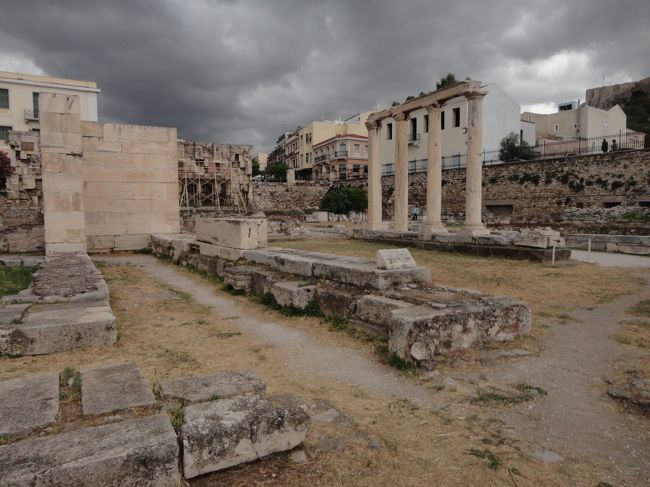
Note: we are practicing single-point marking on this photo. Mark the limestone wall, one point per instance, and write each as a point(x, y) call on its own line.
point(130, 175)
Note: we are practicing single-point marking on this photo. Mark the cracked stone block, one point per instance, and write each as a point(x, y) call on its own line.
point(12, 312)
point(239, 277)
point(58, 330)
point(222, 385)
point(28, 403)
point(293, 294)
point(221, 434)
point(419, 333)
point(141, 452)
point(112, 388)
point(377, 310)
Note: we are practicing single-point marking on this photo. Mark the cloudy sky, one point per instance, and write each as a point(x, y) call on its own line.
point(242, 71)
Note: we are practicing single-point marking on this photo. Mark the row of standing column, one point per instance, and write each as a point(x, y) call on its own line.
point(474, 175)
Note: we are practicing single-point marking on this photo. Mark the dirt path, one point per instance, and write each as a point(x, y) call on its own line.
point(303, 353)
point(577, 416)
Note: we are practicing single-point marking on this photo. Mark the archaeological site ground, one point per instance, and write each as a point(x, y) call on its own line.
point(162, 327)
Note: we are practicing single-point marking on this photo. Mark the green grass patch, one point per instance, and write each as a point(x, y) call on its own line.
point(527, 388)
point(14, 279)
point(177, 416)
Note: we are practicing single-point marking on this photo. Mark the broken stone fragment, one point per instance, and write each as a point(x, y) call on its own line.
point(224, 433)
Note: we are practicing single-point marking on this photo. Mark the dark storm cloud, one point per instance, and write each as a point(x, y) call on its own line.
point(241, 71)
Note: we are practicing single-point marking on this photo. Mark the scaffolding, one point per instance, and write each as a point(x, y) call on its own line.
point(211, 189)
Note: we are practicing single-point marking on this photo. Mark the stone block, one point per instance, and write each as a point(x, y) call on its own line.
point(419, 333)
point(239, 277)
point(316, 217)
point(222, 385)
point(228, 253)
point(137, 452)
point(10, 313)
point(334, 301)
point(391, 259)
point(220, 434)
point(536, 241)
point(377, 310)
point(262, 281)
point(28, 403)
point(236, 233)
point(282, 262)
point(59, 330)
point(114, 387)
point(293, 293)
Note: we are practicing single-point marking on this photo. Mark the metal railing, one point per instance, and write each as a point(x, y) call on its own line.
point(322, 158)
point(341, 154)
point(414, 139)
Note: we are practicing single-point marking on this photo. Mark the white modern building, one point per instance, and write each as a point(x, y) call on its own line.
point(19, 99)
point(501, 116)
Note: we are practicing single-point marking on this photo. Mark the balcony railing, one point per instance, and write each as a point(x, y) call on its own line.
point(341, 154)
point(414, 139)
point(31, 114)
point(322, 158)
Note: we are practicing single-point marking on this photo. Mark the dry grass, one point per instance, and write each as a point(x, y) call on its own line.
point(167, 334)
point(636, 332)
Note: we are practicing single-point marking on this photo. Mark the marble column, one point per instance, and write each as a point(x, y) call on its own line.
point(401, 173)
point(474, 171)
point(433, 222)
point(374, 177)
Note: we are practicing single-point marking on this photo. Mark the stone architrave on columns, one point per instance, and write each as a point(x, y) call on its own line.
point(433, 222)
point(474, 171)
point(374, 178)
point(401, 172)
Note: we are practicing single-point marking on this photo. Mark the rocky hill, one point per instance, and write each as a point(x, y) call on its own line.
point(633, 97)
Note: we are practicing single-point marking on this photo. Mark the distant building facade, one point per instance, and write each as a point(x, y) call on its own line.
point(342, 157)
point(19, 100)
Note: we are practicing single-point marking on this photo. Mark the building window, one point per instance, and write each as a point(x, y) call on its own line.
point(414, 128)
point(457, 117)
point(389, 131)
point(35, 104)
point(357, 148)
point(442, 120)
point(4, 98)
point(556, 128)
point(236, 157)
point(4, 132)
point(426, 124)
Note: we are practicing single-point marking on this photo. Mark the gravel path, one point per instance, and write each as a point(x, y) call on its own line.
point(577, 416)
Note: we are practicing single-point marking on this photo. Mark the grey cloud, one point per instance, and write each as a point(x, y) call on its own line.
point(241, 71)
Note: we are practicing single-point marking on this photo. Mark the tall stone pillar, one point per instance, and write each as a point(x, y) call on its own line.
point(474, 171)
point(374, 177)
point(401, 173)
point(433, 222)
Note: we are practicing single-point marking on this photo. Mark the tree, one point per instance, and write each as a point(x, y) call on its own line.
point(5, 170)
point(446, 80)
point(344, 199)
point(277, 171)
point(256, 166)
point(511, 148)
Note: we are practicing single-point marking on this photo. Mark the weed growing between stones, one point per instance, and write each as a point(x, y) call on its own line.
point(215, 397)
point(493, 462)
point(177, 416)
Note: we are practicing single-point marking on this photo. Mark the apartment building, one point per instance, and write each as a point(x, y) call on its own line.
point(341, 157)
point(501, 116)
point(19, 99)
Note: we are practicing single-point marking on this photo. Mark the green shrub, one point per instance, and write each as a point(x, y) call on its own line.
point(344, 199)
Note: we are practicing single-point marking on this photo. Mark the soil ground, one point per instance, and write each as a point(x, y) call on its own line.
point(382, 426)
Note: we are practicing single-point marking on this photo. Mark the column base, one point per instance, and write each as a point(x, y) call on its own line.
point(475, 230)
point(381, 225)
point(434, 229)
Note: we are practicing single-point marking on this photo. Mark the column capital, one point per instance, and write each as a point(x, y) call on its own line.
point(372, 125)
point(400, 116)
point(474, 95)
point(433, 108)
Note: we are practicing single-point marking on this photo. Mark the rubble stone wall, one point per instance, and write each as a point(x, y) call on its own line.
point(304, 196)
point(21, 211)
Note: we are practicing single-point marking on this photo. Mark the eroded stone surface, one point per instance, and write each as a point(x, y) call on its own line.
point(28, 403)
point(220, 434)
point(133, 453)
point(293, 293)
point(57, 330)
point(12, 312)
point(112, 388)
point(634, 389)
point(222, 385)
point(391, 259)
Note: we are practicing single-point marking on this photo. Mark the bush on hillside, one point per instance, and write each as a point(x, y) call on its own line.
point(344, 199)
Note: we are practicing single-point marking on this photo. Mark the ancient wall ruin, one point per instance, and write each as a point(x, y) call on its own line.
point(21, 200)
point(214, 175)
point(304, 196)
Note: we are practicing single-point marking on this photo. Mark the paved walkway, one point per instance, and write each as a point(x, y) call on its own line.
point(609, 259)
